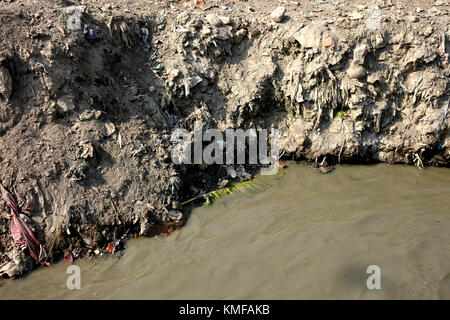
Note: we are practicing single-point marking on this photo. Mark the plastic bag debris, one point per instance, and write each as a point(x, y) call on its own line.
point(20, 231)
point(158, 69)
point(145, 36)
point(90, 34)
point(68, 257)
point(373, 21)
point(191, 82)
point(74, 19)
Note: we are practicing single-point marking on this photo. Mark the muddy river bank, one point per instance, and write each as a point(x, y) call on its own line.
point(305, 236)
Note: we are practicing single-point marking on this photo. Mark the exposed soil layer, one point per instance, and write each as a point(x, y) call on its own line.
point(87, 112)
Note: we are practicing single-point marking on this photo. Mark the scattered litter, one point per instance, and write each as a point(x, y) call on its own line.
point(418, 161)
point(110, 248)
point(87, 151)
point(277, 15)
point(110, 128)
point(444, 112)
point(122, 31)
point(242, 174)
point(175, 184)
point(181, 30)
point(327, 42)
point(175, 215)
point(223, 183)
point(191, 82)
point(225, 8)
point(231, 172)
point(78, 171)
point(147, 21)
point(158, 69)
point(373, 21)
point(356, 15)
point(299, 96)
point(419, 80)
point(20, 231)
point(119, 138)
point(68, 256)
point(90, 34)
point(196, 1)
point(74, 20)
point(145, 34)
point(31, 204)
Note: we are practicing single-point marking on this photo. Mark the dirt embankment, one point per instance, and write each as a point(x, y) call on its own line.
point(87, 111)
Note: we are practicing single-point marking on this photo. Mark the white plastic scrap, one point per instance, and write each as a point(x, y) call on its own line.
point(74, 19)
point(190, 82)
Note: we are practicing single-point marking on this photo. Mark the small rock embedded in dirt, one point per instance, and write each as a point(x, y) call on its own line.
point(65, 104)
point(327, 42)
point(356, 71)
point(225, 20)
point(359, 54)
point(277, 15)
point(90, 114)
point(205, 31)
point(87, 150)
point(239, 35)
point(310, 35)
point(213, 20)
point(428, 31)
point(412, 18)
point(78, 171)
point(175, 215)
point(109, 129)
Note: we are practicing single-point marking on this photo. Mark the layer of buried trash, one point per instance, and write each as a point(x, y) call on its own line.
point(30, 252)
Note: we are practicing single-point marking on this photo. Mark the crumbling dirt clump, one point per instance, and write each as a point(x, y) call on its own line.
point(88, 106)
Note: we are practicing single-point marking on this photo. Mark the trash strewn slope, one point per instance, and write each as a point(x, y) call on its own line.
point(87, 107)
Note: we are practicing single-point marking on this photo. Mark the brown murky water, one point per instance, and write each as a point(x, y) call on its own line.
point(307, 236)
